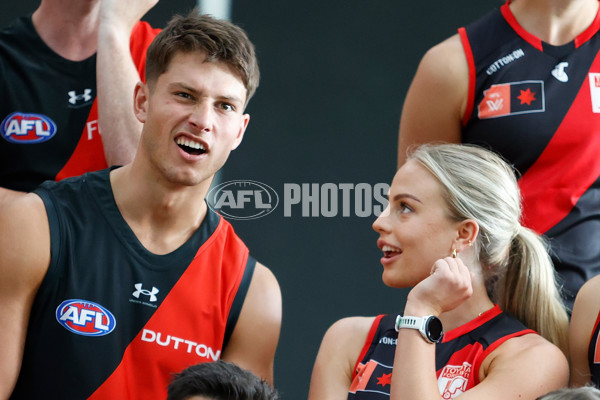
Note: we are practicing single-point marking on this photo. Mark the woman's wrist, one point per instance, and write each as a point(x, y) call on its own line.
point(418, 308)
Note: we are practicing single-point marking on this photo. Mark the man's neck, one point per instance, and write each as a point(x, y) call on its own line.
point(68, 27)
point(161, 218)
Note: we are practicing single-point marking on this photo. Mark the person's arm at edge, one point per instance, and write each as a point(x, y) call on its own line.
point(24, 260)
point(116, 76)
point(254, 339)
point(337, 356)
point(583, 319)
point(436, 99)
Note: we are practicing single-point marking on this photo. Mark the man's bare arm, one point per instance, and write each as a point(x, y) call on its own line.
point(254, 340)
point(24, 260)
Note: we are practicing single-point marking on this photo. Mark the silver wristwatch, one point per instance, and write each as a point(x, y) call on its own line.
point(430, 326)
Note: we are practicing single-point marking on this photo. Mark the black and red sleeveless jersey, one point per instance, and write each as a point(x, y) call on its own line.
point(48, 111)
point(112, 320)
point(538, 106)
point(594, 354)
point(457, 358)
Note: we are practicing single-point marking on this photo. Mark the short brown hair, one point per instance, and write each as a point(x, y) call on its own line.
point(221, 40)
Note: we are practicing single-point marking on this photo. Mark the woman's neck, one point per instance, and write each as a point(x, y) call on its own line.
point(556, 22)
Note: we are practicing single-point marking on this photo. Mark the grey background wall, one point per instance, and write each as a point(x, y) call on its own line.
point(334, 76)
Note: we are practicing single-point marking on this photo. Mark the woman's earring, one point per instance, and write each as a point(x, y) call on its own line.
point(470, 243)
point(454, 253)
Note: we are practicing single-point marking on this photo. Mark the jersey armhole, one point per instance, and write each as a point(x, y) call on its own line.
point(493, 347)
point(55, 229)
point(238, 301)
point(370, 337)
point(462, 32)
point(592, 347)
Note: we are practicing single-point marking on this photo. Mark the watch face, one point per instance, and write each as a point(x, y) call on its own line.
point(434, 329)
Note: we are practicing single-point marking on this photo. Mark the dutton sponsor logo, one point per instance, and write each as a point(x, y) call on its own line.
point(27, 128)
point(180, 344)
point(85, 318)
point(242, 199)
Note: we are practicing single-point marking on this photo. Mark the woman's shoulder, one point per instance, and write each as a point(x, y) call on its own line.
point(351, 329)
point(530, 352)
point(589, 290)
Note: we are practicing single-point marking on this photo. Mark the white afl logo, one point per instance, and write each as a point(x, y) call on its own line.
point(242, 199)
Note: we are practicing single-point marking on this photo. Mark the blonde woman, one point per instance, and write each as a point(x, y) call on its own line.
point(452, 233)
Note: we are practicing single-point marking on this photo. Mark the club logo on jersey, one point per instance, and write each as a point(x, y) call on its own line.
point(372, 377)
point(453, 380)
point(512, 99)
point(27, 128)
point(559, 72)
point(146, 292)
point(80, 99)
point(594, 79)
point(85, 318)
point(242, 199)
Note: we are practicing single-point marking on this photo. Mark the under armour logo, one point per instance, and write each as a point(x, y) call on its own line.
point(559, 71)
point(74, 97)
point(145, 292)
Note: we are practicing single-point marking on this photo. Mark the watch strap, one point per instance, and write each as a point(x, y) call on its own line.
point(420, 324)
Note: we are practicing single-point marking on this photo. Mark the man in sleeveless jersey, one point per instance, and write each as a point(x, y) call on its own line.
point(113, 281)
point(68, 71)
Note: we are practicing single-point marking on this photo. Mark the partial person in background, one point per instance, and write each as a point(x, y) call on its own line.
point(124, 276)
point(584, 331)
point(451, 232)
point(581, 393)
point(219, 380)
point(524, 81)
point(68, 73)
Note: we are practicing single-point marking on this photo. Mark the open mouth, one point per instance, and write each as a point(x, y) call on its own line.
point(389, 251)
point(190, 147)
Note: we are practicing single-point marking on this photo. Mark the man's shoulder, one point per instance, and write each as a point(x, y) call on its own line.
point(76, 193)
point(76, 182)
point(17, 37)
point(17, 26)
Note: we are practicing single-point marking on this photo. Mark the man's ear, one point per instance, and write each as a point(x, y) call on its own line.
point(467, 232)
point(240, 135)
point(141, 95)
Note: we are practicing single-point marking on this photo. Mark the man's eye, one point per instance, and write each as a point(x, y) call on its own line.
point(183, 95)
point(227, 107)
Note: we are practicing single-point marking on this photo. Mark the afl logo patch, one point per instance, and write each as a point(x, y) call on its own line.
point(85, 318)
point(27, 128)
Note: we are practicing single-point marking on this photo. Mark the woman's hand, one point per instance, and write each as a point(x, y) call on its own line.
point(445, 289)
